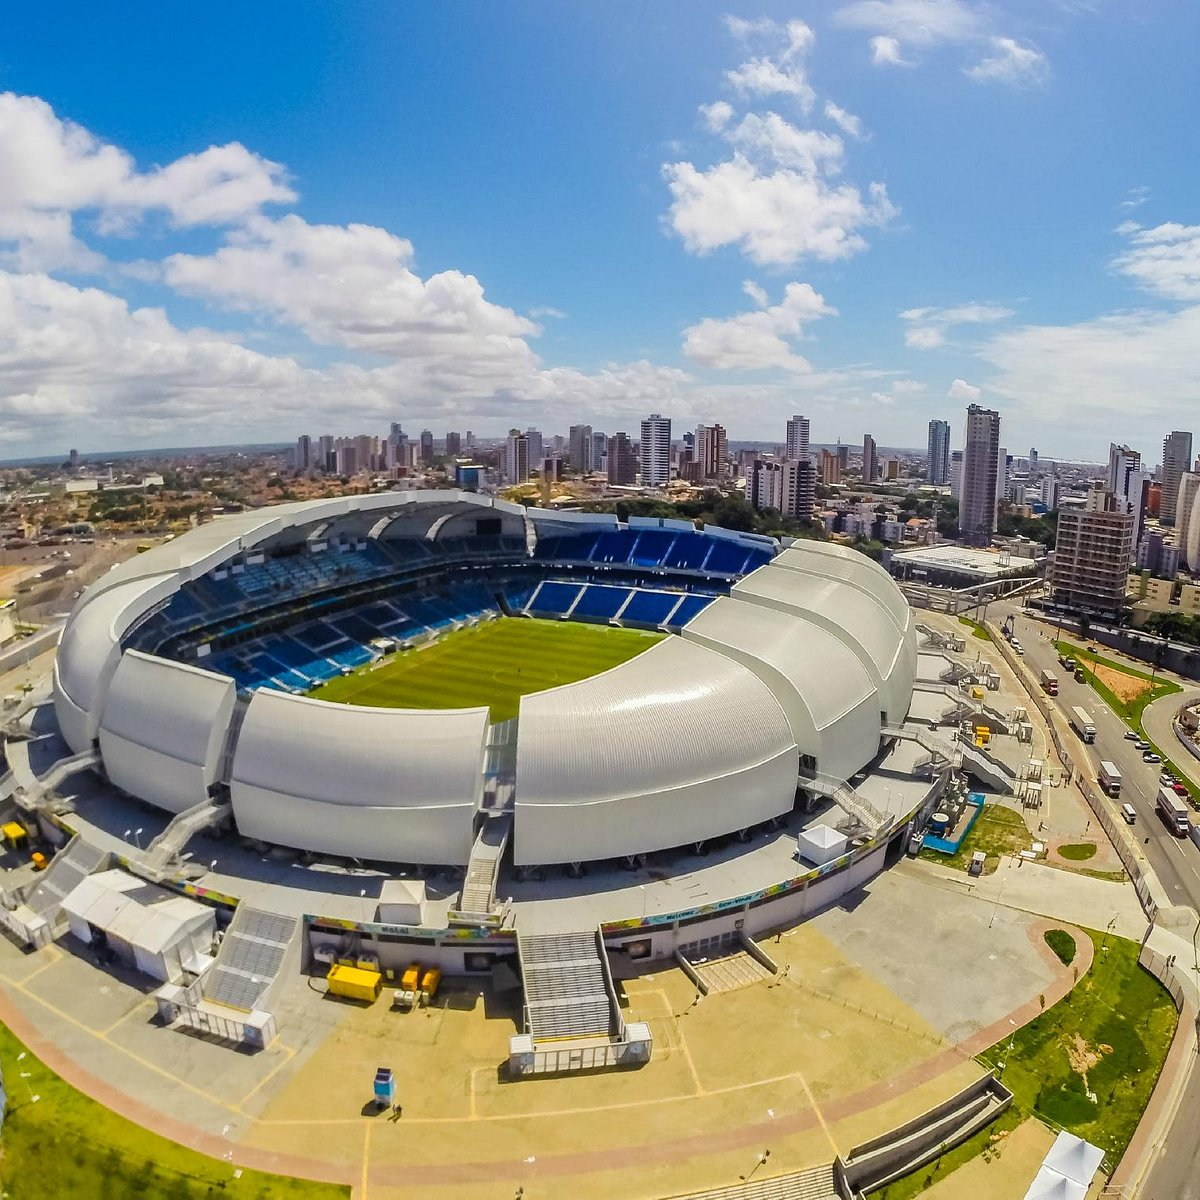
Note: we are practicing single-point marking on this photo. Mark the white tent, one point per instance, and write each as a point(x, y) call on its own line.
point(155, 930)
point(1050, 1185)
point(1067, 1170)
point(1074, 1158)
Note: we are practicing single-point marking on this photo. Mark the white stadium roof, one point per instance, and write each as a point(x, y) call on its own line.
point(700, 735)
point(641, 757)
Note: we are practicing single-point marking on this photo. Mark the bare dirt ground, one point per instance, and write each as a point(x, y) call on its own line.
point(1126, 688)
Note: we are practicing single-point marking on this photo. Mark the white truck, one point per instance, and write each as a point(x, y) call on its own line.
point(1173, 812)
point(1081, 722)
point(1110, 779)
point(1049, 683)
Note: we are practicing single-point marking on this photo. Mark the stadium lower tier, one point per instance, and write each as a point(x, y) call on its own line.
point(302, 657)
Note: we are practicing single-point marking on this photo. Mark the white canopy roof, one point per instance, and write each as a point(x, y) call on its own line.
point(1050, 1185)
point(1073, 1157)
point(144, 916)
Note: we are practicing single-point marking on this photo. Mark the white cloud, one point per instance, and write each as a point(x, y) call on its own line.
point(915, 22)
point(717, 115)
point(771, 141)
point(899, 25)
point(886, 52)
point(847, 122)
point(1164, 260)
point(53, 169)
point(1135, 198)
point(775, 217)
point(756, 341)
point(1011, 63)
point(926, 328)
point(354, 286)
point(542, 312)
point(781, 70)
point(1085, 380)
point(960, 389)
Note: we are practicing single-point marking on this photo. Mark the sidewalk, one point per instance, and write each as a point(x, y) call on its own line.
point(1047, 891)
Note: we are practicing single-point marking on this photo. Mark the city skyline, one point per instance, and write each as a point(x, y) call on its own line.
point(189, 263)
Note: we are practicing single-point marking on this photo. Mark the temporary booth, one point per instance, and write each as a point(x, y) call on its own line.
point(402, 902)
point(150, 928)
point(821, 844)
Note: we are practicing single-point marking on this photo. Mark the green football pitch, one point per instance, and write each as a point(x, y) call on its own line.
point(495, 663)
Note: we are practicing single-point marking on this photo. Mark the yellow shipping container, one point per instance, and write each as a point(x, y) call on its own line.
point(354, 983)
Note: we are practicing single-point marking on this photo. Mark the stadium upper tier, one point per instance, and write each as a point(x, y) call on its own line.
point(176, 665)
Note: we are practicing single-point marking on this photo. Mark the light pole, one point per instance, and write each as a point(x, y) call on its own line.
point(137, 837)
point(27, 1075)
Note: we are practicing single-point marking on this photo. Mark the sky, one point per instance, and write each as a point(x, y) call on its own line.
point(248, 222)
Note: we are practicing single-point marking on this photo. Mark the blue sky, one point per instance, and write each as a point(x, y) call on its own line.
point(262, 220)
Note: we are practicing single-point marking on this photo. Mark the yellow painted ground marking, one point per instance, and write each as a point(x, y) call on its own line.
point(58, 956)
point(820, 1115)
point(102, 1037)
point(143, 1003)
point(362, 1187)
point(288, 1055)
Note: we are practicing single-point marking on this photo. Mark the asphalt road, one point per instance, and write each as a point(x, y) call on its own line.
point(1175, 1174)
point(1175, 860)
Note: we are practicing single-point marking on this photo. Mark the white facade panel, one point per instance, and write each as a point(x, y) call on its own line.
point(831, 703)
point(163, 729)
point(316, 775)
point(850, 614)
point(674, 746)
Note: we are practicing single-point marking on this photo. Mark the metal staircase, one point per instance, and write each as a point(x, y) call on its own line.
point(70, 866)
point(568, 989)
point(180, 829)
point(479, 887)
point(817, 1183)
point(42, 793)
point(854, 805)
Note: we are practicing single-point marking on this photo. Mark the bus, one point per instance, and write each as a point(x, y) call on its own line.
point(1173, 812)
point(1082, 724)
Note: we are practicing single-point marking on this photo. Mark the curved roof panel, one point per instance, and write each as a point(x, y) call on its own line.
point(163, 729)
point(832, 561)
point(674, 746)
point(305, 772)
point(830, 700)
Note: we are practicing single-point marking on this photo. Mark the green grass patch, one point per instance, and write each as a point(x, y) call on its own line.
point(1132, 712)
point(1078, 851)
point(65, 1144)
point(977, 630)
point(492, 664)
point(1088, 1064)
point(997, 832)
point(1062, 943)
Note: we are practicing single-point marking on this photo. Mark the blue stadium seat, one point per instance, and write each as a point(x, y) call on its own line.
point(649, 608)
point(554, 598)
point(600, 601)
point(689, 607)
point(651, 547)
point(689, 552)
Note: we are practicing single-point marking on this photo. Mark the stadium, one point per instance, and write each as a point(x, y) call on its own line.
point(436, 725)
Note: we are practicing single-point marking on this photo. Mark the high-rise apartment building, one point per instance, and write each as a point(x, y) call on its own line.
point(1176, 459)
point(870, 460)
point(980, 471)
point(581, 448)
point(1033, 460)
point(599, 450)
point(843, 457)
point(796, 446)
point(786, 485)
point(656, 451)
point(1049, 492)
point(1129, 484)
point(712, 451)
point(516, 458)
point(326, 453)
point(426, 446)
point(621, 462)
point(1092, 555)
point(831, 469)
point(1185, 514)
point(453, 444)
point(537, 446)
point(938, 471)
point(304, 453)
point(1003, 462)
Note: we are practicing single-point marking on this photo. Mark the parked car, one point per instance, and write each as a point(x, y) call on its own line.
point(1130, 735)
point(1180, 789)
point(1150, 757)
point(1167, 778)
point(1141, 744)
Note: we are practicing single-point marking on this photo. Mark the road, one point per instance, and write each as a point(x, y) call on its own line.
point(1175, 860)
point(1175, 1174)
